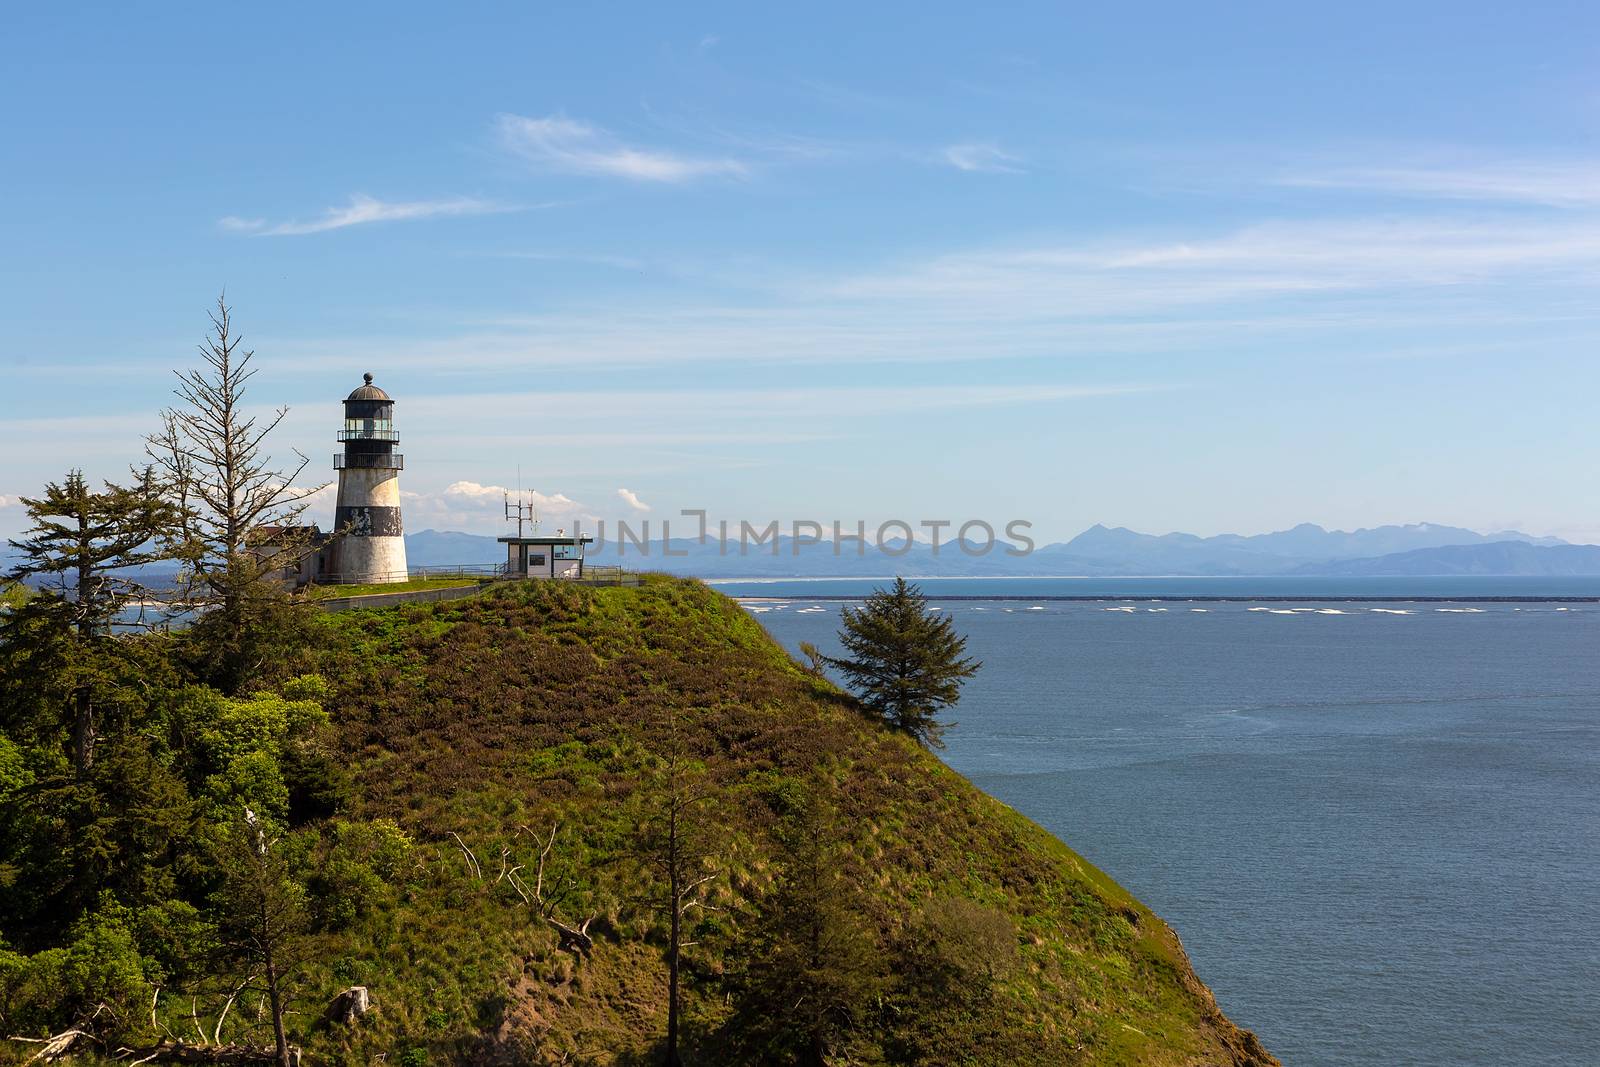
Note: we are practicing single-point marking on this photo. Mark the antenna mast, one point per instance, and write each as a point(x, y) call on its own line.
point(522, 511)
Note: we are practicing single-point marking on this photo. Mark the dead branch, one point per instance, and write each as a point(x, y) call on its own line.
point(216, 1033)
point(516, 883)
point(544, 852)
point(56, 1046)
point(472, 861)
point(574, 939)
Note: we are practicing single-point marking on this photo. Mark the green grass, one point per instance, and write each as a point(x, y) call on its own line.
point(542, 704)
point(322, 592)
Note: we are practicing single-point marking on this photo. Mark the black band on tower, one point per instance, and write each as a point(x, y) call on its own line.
point(373, 521)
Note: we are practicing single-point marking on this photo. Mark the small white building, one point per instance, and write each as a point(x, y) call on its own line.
point(545, 557)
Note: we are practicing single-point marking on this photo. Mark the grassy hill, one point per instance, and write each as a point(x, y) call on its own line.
point(537, 708)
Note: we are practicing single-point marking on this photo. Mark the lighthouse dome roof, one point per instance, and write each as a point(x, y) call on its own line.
point(368, 391)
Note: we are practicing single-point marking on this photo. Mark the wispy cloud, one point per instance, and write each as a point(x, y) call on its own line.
point(557, 143)
point(1428, 279)
point(364, 209)
point(632, 500)
point(981, 156)
point(592, 259)
point(659, 412)
point(1573, 184)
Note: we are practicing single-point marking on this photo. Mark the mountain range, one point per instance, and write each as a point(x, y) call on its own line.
point(1399, 550)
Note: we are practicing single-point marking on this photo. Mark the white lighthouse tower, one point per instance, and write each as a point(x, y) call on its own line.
point(370, 547)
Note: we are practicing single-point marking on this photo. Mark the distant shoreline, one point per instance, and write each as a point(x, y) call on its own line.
point(1202, 598)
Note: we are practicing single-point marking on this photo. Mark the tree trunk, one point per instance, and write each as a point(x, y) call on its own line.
point(270, 965)
point(675, 899)
point(82, 700)
point(82, 731)
point(282, 1040)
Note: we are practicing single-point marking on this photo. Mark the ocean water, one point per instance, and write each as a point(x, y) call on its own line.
point(1376, 826)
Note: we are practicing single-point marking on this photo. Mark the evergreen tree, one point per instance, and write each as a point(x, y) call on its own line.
point(263, 920)
point(81, 543)
point(230, 499)
point(905, 662)
point(815, 967)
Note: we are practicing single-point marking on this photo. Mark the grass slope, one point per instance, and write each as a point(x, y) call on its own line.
point(323, 592)
point(542, 705)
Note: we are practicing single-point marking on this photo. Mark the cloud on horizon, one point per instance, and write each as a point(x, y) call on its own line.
point(632, 500)
point(364, 209)
point(557, 143)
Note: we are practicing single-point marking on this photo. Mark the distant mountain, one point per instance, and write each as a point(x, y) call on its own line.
point(449, 548)
point(1097, 552)
point(1270, 553)
point(1500, 558)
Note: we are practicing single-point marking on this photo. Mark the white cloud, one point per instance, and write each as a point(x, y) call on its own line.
point(981, 156)
point(10, 501)
point(1445, 281)
point(466, 505)
point(633, 500)
point(364, 209)
point(558, 143)
point(1560, 184)
point(472, 493)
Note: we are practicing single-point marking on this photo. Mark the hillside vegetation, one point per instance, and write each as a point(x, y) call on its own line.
point(472, 796)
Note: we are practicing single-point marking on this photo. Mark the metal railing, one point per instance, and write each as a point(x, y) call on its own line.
point(381, 460)
point(369, 435)
point(462, 570)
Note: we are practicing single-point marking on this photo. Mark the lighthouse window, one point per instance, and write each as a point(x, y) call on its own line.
point(368, 425)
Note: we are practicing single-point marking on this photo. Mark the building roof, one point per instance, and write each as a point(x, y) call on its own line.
point(572, 540)
point(368, 391)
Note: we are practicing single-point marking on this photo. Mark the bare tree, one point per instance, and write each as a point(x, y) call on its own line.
point(680, 842)
point(229, 496)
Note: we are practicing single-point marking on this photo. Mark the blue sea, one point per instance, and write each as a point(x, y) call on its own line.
point(1375, 824)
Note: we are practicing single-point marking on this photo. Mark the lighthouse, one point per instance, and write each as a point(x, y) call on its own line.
point(369, 546)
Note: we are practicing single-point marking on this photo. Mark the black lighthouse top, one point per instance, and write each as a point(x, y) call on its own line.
point(369, 436)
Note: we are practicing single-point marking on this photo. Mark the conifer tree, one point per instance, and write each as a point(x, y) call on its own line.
point(815, 966)
point(905, 662)
point(81, 542)
point(263, 912)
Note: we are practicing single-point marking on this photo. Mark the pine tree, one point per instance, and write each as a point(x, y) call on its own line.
point(905, 662)
point(815, 966)
point(81, 543)
point(264, 920)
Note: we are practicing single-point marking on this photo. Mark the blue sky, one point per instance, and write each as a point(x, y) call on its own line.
point(1156, 265)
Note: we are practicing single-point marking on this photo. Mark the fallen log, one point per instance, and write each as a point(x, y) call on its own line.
point(183, 1052)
